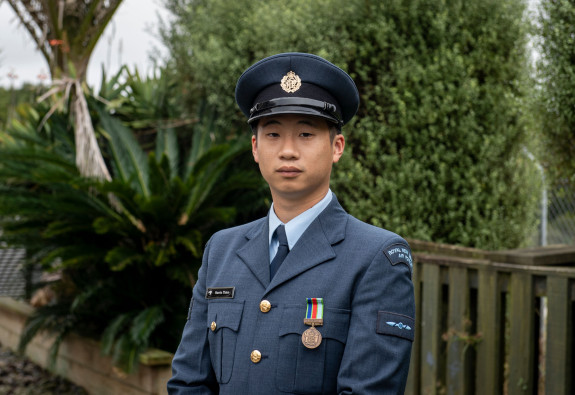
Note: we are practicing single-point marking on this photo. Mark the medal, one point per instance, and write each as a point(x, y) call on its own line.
point(311, 338)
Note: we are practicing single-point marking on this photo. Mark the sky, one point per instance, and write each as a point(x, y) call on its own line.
point(128, 39)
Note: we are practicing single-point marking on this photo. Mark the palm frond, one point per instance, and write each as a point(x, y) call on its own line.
point(109, 337)
point(120, 257)
point(54, 319)
point(129, 157)
point(144, 324)
point(167, 145)
point(206, 173)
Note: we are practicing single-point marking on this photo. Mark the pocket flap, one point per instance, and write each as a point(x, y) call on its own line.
point(396, 325)
point(335, 323)
point(225, 314)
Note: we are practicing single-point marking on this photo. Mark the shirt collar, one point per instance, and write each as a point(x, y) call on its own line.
point(298, 225)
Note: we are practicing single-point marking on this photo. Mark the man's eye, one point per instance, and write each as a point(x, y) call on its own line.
point(272, 134)
point(305, 134)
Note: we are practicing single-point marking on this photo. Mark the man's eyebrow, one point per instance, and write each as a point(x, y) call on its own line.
point(308, 122)
point(271, 122)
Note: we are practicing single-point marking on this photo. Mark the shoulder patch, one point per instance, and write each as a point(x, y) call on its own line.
point(394, 324)
point(399, 253)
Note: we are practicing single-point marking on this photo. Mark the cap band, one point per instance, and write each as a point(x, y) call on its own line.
point(324, 107)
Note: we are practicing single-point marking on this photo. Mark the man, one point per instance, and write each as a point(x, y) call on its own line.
point(329, 310)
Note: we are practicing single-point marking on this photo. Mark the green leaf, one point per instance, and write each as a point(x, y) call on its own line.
point(130, 159)
point(110, 334)
point(144, 324)
point(167, 146)
point(120, 257)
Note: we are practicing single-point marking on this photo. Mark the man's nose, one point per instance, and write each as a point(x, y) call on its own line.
point(288, 148)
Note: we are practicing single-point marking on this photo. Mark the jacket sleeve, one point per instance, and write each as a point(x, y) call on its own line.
point(378, 348)
point(192, 371)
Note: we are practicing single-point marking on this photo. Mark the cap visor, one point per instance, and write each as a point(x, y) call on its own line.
point(292, 110)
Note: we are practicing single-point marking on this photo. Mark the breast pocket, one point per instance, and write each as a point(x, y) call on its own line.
point(223, 322)
point(303, 370)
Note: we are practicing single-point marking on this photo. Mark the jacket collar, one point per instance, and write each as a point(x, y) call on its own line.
point(313, 248)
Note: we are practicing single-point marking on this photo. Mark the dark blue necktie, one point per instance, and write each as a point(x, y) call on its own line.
point(283, 250)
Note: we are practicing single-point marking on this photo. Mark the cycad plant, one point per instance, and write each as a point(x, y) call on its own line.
point(127, 250)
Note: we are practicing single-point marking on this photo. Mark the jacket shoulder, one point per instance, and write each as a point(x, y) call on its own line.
point(394, 247)
point(373, 233)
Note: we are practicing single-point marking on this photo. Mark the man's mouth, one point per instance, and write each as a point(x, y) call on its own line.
point(289, 171)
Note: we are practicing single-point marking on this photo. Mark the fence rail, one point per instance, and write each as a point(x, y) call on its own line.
point(487, 326)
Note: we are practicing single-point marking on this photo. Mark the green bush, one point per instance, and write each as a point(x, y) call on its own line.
point(127, 250)
point(435, 152)
point(556, 73)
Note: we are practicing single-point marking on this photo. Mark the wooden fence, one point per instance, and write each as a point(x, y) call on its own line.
point(493, 323)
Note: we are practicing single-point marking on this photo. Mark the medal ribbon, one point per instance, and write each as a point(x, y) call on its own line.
point(314, 308)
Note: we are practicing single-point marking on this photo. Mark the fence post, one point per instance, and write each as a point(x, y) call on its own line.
point(458, 315)
point(430, 329)
point(521, 340)
point(488, 324)
point(559, 326)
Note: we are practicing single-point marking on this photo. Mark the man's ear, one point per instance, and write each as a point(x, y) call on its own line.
point(255, 148)
point(338, 147)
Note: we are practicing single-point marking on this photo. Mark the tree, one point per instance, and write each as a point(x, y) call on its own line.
point(556, 71)
point(436, 149)
point(66, 33)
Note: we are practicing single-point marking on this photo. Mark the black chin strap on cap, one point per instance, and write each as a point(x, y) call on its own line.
point(296, 105)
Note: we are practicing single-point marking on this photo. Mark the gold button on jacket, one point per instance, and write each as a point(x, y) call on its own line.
point(265, 306)
point(256, 356)
point(213, 326)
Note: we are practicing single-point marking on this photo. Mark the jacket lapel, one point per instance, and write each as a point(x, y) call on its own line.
point(255, 253)
point(315, 244)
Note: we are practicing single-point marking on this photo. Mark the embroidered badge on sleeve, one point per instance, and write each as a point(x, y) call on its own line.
point(399, 253)
point(395, 325)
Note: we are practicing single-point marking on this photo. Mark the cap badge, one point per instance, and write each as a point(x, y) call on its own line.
point(291, 82)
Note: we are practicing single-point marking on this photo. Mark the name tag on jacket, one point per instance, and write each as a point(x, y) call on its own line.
point(220, 293)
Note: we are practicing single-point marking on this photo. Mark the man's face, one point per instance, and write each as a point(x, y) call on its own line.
point(295, 155)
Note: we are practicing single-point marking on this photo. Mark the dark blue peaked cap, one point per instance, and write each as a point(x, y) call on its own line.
point(297, 83)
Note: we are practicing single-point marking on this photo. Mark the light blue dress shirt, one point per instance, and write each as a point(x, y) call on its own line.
point(295, 227)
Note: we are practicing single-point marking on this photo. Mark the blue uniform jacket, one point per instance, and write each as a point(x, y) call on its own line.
point(363, 274)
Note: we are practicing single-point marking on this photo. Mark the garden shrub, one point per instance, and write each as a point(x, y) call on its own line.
point(436, 150)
